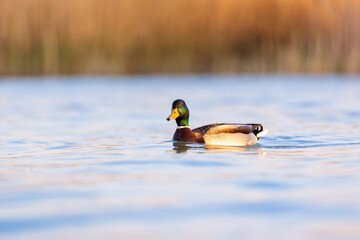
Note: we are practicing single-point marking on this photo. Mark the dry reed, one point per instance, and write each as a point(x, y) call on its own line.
point(178, 36)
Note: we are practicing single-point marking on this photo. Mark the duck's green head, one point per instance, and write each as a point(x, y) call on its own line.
point(180, 113)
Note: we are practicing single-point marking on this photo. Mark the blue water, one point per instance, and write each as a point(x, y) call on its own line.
point(92, 158)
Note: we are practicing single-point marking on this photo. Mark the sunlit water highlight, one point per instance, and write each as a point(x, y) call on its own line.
point(91, 158)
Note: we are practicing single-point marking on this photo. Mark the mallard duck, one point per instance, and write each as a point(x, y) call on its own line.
point(233, 134)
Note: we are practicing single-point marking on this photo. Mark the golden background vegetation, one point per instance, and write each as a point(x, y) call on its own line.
point(178, 36)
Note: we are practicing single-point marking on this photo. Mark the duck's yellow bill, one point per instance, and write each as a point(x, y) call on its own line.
point(174, 114)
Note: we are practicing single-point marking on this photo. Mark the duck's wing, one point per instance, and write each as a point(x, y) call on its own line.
point(218, 128)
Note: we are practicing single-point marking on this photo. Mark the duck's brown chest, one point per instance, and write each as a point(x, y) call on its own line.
point(186, 135)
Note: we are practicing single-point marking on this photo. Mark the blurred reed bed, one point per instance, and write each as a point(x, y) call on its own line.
point(178, 36)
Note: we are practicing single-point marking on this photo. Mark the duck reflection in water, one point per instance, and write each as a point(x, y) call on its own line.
point(183, 147)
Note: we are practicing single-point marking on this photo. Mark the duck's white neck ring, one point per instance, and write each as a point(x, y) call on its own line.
point(183, 127)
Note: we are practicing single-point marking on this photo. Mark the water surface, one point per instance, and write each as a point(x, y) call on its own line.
point(91, 158)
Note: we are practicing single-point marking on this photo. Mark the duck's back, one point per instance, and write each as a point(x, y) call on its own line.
point(229, 134)
point(217, 128)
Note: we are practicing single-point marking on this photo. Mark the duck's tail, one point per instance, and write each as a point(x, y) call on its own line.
point(260, 132)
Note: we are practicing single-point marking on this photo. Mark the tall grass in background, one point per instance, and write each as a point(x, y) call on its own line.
point(178, 36)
